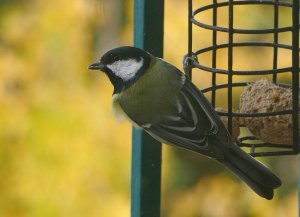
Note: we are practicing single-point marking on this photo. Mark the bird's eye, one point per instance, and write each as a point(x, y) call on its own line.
point(116, 58)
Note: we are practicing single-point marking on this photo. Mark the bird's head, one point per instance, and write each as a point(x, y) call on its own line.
point(123, 66)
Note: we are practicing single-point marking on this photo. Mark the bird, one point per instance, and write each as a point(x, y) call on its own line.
point(157, 97)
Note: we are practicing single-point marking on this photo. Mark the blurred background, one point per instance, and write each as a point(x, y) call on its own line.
point(61, 151)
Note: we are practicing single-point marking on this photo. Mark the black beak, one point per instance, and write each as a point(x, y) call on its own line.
point(97, 66)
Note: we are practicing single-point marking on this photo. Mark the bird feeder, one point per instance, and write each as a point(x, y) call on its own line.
point(263, 89)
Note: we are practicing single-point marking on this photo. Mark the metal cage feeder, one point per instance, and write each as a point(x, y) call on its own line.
point(192, 61)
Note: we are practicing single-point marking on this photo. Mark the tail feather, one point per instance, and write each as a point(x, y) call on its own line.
point(251, 171)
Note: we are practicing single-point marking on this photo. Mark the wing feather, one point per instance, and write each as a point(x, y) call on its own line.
point(191, 123)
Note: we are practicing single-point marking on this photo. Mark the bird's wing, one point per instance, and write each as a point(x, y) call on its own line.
point(192, 123)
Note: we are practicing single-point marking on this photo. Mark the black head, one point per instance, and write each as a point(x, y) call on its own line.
point(123, 66)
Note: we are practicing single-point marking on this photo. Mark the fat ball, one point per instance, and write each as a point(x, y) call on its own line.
point(265, 96)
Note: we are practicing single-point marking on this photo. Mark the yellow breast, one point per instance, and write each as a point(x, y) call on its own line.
point(118, 112)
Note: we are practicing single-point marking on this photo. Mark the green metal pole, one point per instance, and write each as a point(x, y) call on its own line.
point(146, 152)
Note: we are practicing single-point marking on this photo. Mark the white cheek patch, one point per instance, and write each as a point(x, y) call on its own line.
point(126, 69)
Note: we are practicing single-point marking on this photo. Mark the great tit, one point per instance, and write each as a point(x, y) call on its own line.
point(157, 97)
